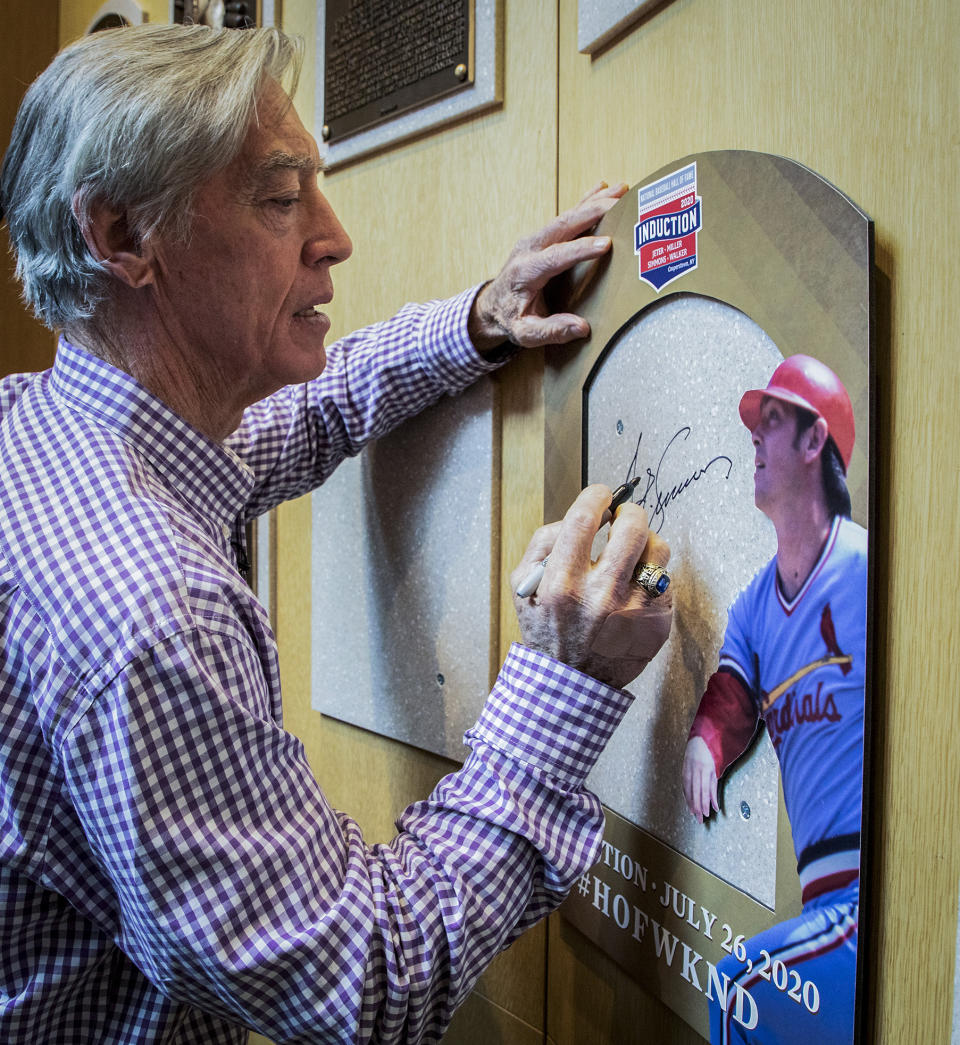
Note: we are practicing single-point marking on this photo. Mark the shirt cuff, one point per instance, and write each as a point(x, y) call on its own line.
point(445, 349)
point(549, 715)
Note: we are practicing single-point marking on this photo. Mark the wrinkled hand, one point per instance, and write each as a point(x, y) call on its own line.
point(593, 615)
point(512, 306)
point(699, 779)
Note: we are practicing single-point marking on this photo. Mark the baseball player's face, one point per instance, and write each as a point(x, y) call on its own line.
point(778, 459)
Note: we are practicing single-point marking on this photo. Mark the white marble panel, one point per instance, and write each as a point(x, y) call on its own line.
point(402, 569)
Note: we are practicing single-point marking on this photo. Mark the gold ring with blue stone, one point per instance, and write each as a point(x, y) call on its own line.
point(652, 578)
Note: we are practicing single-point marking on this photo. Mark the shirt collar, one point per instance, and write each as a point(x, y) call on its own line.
point(204, 472)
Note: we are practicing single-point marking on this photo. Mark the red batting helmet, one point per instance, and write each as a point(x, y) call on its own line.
point(811, 385)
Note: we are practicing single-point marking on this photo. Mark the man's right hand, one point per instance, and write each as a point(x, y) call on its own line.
point(593, 615)
point(699, 779)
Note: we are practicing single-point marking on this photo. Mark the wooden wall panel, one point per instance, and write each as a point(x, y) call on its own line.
point(29, 42)
point(76, 15)
point(865, 95)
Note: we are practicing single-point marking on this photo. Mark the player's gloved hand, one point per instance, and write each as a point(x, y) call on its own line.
point(593, 615)
point(699, 779)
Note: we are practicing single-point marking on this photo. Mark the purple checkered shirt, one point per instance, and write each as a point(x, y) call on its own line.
point(170, 871)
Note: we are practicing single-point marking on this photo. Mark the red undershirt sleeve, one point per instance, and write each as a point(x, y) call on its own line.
point(726, 718)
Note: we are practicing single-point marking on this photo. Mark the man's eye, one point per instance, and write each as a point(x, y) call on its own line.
point(285, 202)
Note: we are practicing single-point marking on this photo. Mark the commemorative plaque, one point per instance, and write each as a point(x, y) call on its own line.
point(385, 57)
point(390, 72)
point(729, 371)
point(233, 14)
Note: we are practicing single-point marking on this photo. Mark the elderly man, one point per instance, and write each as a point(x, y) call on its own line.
point(794, 656)
point(169, 868)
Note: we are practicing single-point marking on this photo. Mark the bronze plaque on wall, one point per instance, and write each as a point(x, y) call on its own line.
point(729, 370)
point(385, 57)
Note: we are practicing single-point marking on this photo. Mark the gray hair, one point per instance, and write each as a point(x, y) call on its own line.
point(137, 118)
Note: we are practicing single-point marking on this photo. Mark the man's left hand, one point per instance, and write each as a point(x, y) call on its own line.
point(512, 308)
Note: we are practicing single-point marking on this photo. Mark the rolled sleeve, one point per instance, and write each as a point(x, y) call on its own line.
point(549, 715)
point(375, 378)
point(446, 351)
point(240, 891)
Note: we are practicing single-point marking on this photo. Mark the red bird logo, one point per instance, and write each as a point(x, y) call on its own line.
point(830, 638)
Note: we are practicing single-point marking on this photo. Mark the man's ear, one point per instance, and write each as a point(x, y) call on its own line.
point(111, 241)
point(815, 439)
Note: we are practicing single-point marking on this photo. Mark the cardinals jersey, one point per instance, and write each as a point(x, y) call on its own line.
point(799, 664)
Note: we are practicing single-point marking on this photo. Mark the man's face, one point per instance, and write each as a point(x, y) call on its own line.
point(238, 297)
point(779, 460)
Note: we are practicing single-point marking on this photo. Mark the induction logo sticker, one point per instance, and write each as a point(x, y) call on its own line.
point(665, 236)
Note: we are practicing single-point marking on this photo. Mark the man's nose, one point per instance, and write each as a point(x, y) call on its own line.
point(329, 240)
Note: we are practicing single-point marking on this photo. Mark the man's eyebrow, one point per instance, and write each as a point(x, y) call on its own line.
point(278, 160)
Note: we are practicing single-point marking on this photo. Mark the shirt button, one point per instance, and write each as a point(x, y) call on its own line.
point(225, 530)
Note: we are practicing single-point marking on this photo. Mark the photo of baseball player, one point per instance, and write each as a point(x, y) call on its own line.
point(793, 656)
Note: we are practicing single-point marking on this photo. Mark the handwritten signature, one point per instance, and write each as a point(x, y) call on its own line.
point(657, 497)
